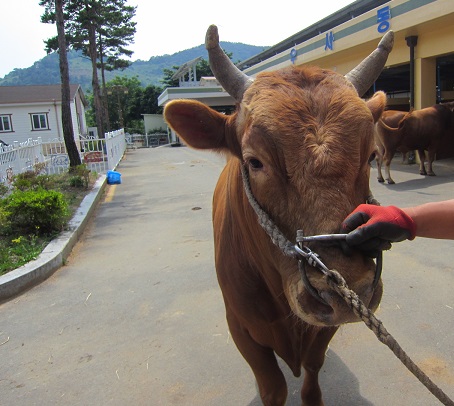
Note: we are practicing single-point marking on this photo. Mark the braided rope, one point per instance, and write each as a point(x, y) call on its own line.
point(276, 235)
point(338, 283)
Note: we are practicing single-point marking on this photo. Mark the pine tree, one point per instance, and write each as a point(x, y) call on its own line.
point(101, 29)
point(68, 131)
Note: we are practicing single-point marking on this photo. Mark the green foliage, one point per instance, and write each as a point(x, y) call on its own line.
point(135, 102)
point(37, 211)
point(79, 176)
point(15, 252)
point(111, 20)
point(31, 215)
point(135, 127)
point(46, 70)
point(3, 190)
point(76, 181)
point(167, 80)
point(101, 29)
point(30, 181)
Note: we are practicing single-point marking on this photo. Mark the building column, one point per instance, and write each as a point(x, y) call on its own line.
point(412, 41)
point(425, 82)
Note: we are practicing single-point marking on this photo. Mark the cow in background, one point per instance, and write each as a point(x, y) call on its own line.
point(302, 138)
point(420, 130)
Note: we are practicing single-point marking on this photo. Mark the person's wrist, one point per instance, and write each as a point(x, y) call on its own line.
point(410, 215)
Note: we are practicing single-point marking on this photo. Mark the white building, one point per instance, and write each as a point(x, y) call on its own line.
point(154, 122)
point(35, 111)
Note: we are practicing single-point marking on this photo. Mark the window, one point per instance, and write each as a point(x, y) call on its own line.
point(39, 121)
point(5, 123)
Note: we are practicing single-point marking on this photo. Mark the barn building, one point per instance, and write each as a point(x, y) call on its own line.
point(419, 71)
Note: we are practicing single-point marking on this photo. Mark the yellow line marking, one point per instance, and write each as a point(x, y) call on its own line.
point(110, 193)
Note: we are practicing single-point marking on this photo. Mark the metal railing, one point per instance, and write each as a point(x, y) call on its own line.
point(100, 155)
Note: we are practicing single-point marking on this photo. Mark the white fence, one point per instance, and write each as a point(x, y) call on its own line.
point(100, 155)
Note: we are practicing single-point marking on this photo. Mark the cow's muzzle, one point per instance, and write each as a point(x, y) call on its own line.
point(306, 255)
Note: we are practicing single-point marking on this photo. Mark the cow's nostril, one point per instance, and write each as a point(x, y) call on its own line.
point(307, 284)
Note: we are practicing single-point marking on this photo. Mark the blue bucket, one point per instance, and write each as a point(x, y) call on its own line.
point(113, 178)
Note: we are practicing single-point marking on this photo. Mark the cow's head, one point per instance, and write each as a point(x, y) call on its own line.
point(306, 137)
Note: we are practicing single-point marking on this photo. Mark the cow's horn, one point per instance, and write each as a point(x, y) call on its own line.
point(229, 76)
point(367, 72)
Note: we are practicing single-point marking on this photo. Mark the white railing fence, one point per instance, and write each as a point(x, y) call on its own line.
point(100, 155)
point(18, 158)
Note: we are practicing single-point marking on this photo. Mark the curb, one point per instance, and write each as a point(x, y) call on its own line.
point(55, 253)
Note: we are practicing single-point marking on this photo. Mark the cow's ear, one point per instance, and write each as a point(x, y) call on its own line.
point(377, 105)
point(198, 125)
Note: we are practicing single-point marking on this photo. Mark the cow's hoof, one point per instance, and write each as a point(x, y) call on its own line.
point(431, 174)
point(381, 180)
point(423, 173)
point(391, 182)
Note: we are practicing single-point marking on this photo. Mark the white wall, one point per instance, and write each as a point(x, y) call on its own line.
point(22, 126)
point(154, 121)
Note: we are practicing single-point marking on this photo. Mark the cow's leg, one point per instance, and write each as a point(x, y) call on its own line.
point(316, 344)
point(379, 161)
point(422, 158)
point(387, 158)
point(270, 379)
point(430, 158)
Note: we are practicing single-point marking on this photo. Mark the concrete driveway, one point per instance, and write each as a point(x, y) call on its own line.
point(136, 316)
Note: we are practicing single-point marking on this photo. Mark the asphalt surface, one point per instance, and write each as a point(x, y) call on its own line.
point(136, 316)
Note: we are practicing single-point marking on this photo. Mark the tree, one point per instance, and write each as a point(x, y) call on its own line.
point(113, 37)
point(101, 29)
point(68, 131)
point(167, 80)
point(149, 102)
point(128, 100)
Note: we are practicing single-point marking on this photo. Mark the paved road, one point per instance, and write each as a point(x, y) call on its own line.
point(136, 317)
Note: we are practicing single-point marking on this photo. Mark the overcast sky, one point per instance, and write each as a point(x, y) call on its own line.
point(166, 27)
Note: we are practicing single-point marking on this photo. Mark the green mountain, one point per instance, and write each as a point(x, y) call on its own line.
point(46, 70)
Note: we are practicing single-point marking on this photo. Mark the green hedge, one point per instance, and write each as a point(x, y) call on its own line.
point(37, 211)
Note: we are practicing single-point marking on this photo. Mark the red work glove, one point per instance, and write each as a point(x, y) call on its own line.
point(372, 228)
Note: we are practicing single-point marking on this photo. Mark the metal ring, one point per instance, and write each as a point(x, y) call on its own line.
point(378, 269)
point(307, 284)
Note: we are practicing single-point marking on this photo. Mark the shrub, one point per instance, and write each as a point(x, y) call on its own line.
point(80, 176)
point(37, 211)
point(18, 251)
point(3, 189)
point(76, 181)
point(30, 180)
point(4, 222)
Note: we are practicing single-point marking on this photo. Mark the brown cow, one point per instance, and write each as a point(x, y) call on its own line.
point(420, 130)
point(304, 137)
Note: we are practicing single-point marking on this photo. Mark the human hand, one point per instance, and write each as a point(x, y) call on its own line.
point(373, 228)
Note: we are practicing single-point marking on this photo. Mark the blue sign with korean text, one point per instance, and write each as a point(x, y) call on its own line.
point(329, 41)
point(293, 54)
point(383, 17)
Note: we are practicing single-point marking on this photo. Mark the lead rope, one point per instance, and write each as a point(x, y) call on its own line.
point(338, 283)
point(265, 221)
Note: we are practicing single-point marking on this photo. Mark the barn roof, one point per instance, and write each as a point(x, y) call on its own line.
point(36, 94)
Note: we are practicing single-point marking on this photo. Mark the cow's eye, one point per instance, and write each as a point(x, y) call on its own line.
point(255, 164)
